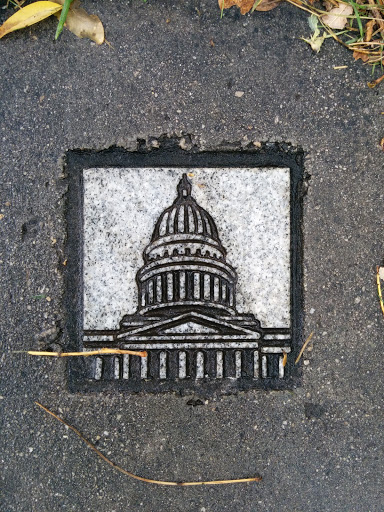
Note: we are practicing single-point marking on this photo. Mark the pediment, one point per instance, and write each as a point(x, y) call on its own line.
point(189, 328)
point(190, 323)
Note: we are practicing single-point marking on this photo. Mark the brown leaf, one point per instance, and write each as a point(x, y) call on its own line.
point(267, 5)
point(244, 5)
point(360, 55)
point(82, 24)
point(87, 25)
point(337, 17)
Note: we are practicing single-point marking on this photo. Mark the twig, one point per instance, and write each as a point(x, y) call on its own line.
point(304, 347)
point(104, 351)
point(379, 288)
point(142, 479)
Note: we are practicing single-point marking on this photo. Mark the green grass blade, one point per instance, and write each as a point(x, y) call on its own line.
point(63, 17)
point(358, 19)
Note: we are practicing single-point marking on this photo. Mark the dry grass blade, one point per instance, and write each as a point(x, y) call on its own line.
point(136, 477)
point(304, 347)
point(379, 289)
point(104, 351)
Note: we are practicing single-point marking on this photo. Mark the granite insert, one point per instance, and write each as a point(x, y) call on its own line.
point(197, 265)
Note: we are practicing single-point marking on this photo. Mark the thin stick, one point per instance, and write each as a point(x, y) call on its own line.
point(90, 353)
point(379, 288)
point(142, 479)
point(304, 347)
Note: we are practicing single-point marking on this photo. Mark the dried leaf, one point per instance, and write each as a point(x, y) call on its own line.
point(316, 40)
point(369, 30)
point(313, 22)
point(29, 15)
point(248, 5)
point(82, 24)
point(244, 5)
point(337, 17)
point(360, 55)
point(265, 5)
point(378, 282)
point(87, 25)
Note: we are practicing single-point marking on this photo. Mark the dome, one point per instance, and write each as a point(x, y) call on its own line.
point(185, 265)
point(185, 217)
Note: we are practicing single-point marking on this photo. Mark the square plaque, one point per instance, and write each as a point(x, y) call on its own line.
point(194, 260)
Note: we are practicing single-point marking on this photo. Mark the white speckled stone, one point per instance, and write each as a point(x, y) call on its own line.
point(251, 210)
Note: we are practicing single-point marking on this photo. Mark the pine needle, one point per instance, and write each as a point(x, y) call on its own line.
point(136, 477)
point(304, 347)
point(103, 351)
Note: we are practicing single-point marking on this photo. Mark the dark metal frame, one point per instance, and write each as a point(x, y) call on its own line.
point(269, 155)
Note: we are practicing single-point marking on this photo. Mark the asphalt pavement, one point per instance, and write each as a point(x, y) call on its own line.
point(173, 69)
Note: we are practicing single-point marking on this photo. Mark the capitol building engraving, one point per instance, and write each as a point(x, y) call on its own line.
point(186, 316)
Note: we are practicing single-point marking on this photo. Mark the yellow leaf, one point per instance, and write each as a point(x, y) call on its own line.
point(337, 17)
point(29, 15)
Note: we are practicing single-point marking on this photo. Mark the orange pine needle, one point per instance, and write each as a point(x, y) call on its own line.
point(142, 479)
point(103, 351)
point(304, 347)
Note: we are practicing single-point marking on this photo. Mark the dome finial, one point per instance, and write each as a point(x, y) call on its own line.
point(184, 187)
